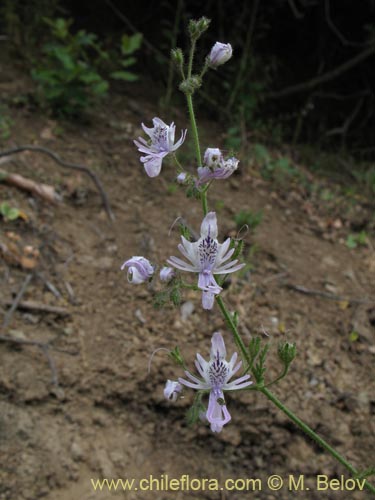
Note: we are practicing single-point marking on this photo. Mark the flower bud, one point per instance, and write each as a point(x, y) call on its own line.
point(190, 85)
point(177, 57)
point(139, 269)
point(181, 178)
point(220, 54)
point(287, 352)
point(166, 274)
point(171, 390)
point(197, 27)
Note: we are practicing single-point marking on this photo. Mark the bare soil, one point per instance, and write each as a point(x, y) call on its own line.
point(107, 416)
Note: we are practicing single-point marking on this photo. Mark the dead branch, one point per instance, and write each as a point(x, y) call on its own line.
point(43, 346)
point(326, 77)
point(30, 305)
point(15, 303)
point(297, 14)
point(335, 30)
point(44, 191)
point(63, 163)
point(343, 130)
point(326, 295)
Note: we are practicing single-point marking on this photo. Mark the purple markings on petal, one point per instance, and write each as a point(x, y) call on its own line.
point(139, 269)
point(161, 143)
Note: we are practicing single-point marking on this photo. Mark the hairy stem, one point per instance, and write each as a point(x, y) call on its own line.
point(304, 427)
point(237, 337)
point(307, 430)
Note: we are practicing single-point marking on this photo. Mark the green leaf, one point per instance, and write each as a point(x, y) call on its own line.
point(351, 241)
point(124, 75)
point(130, 44)
point(4, 208)
point(354, 336)
point(129, 61)
point(13, 214)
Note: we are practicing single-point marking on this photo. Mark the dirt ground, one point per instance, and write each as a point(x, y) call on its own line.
point(107, 418)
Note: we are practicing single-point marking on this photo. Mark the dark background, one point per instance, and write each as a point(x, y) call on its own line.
point(307, 75)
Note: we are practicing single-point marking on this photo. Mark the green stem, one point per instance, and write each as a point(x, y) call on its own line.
point(283, 374)
point(194, 128)
point(307, 430)
point(191, 57)
point(232, 326)
point(204, 202)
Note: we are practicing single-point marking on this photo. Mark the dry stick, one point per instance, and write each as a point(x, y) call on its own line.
point(44, 191)
point(30, 305)
point(15, 303)
point(336, 31)
point(297, 14)
point(330, 75)
point(65, 164)
point(326, 295)
point(43, 346)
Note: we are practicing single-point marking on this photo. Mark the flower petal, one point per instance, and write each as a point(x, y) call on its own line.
point(209, 226)
point(218, 346)
point(208, 300)
point(217, 414)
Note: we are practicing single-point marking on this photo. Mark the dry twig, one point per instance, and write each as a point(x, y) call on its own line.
point(63, 163)
point(326, 295)
point(43, 346)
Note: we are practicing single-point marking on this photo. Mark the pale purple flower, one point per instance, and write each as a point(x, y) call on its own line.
point(220, 54)
point(213, 157)
point(215, 166)
point(207, 257)
point(222, 170)
point(166, 274)
point(139, 269)
point(171, 390)
point(160, 144)
point(181, 178)
point(216, 374)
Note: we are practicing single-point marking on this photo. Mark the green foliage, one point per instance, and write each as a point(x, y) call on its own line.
point(194, 412)
point(248, 218)
point(176, 356)
point(68, 78)
point(9, 213)
point(355, 240)
point(23, 22)
point(129, 45)
point(279, 170)
point(5, 123)
point(366, 179)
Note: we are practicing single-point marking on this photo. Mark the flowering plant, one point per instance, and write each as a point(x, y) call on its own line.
point(212, 262)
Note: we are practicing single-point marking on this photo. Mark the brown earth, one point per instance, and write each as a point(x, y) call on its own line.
point(107, 416)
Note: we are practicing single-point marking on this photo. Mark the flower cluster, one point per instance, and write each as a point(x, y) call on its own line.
point(205, 257)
